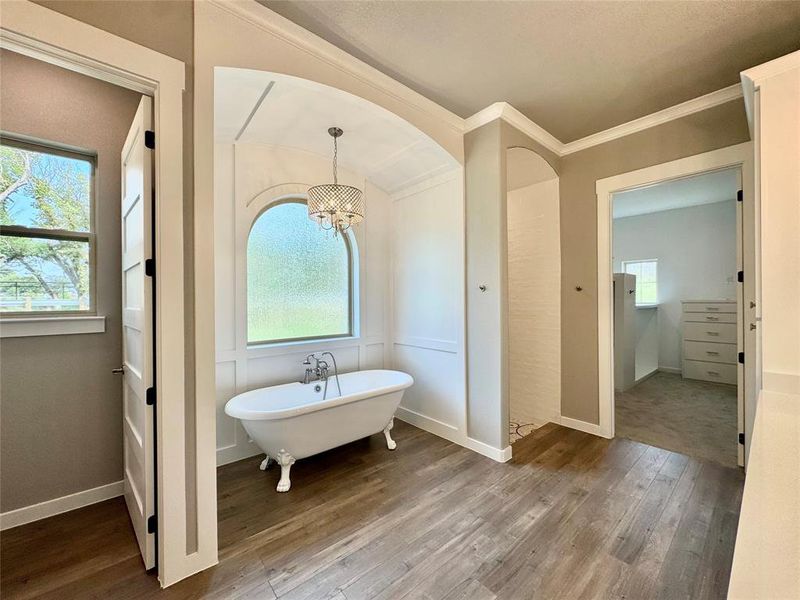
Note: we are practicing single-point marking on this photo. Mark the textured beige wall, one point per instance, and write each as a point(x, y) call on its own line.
point(534, 301)
point(61, 405)
point(718, 127)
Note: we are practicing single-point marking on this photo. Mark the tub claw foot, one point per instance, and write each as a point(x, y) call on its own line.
point(390, 443)
point(285, 460)
point(265, 463)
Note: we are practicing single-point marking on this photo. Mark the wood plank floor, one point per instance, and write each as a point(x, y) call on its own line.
point(572, 516)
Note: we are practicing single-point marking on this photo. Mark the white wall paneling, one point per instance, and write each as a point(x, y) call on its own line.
point(249, 177)
point(428, 316)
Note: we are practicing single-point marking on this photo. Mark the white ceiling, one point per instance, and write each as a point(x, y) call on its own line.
point(297, 113)
point(572, 67)
point(678, 193)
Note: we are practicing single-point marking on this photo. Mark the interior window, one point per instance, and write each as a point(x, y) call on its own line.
point(299, 278)
point(46, 238)
point(646, 272)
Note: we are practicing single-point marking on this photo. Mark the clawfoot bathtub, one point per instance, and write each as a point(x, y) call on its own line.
point(292, 421)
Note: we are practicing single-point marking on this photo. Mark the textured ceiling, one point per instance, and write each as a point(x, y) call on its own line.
point(707, 188)
point(574, 68)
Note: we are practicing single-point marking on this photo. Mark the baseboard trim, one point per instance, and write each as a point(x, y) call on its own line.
point(496, 454)
point(231, 454)
point(646, 377)
point(452, 434)
point(56, 506)
point(584, 426)
point(673, 370)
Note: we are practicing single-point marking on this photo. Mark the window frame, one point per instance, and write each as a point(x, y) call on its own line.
point(625, 264)
point(90, 237)
point(348, 237)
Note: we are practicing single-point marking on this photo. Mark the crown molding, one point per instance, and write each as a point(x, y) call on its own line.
point(657, 118)
point(267, 20)
point(503, 110)
point(291, 33)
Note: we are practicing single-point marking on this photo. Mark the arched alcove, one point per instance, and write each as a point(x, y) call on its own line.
point(272, 143)
point(533, 292)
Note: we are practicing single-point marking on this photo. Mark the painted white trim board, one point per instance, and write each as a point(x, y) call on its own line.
point(740, 155)
point(584, 426)
point(452, 434)
point(57, 506)
point(54, 38)
point(40, 326)
point(503, 110)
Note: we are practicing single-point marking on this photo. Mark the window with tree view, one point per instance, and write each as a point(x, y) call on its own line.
point(299, 278)
point(45, 229)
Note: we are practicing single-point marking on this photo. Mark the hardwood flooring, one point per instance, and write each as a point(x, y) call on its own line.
point(571, 516)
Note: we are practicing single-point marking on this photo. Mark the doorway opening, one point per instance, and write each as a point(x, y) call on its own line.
point(76, 305)
point(675, 258)
point(721, 306)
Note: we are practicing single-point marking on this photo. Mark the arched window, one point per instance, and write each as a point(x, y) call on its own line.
point(299, 278)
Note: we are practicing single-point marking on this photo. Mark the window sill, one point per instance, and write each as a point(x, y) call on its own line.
point(646, 306)
point(40, 326)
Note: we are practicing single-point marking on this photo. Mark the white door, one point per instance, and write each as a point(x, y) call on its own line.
point(137, 333)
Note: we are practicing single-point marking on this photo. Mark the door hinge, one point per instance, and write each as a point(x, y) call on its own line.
point(150, 267)
point(150, 139)
point(740, 196)
point(150, 396)
point(740, 276)
point(741, 439)
point(152, 524)
point(741, 357)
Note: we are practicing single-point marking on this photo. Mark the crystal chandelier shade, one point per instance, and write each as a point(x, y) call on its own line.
point(332, 205)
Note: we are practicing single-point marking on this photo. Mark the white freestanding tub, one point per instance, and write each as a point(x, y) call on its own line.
point(292, 421)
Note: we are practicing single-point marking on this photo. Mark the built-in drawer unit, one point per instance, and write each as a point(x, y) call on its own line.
point(708, 351)
point(710, 332)
point(707, 317)
point(708, 371)
point(709, 340)
point(709, 306)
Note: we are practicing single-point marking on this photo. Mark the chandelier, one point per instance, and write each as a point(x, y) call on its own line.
point(332, 205)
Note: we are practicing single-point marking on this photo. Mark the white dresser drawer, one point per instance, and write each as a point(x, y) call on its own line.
point(711, 352)
point(708, 371)
point(709, 317)
point(713, 307)
point(710, 332)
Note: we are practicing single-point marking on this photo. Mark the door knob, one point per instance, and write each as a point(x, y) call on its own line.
point(118, 370)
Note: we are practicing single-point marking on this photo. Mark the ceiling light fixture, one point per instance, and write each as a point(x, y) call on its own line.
point(334, 206)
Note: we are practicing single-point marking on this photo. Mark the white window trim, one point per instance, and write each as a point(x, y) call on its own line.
point(62, 325)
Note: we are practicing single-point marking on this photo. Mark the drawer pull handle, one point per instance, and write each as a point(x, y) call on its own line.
point(710, 308)
point(713, 373)
point(712, 318)
point(712, 332)
point(712, 353)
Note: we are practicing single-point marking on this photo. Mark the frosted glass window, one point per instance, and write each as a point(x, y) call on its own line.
point(646, 272)
point(299, 279)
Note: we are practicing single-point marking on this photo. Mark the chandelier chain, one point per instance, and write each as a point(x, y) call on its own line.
point(335, 166)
